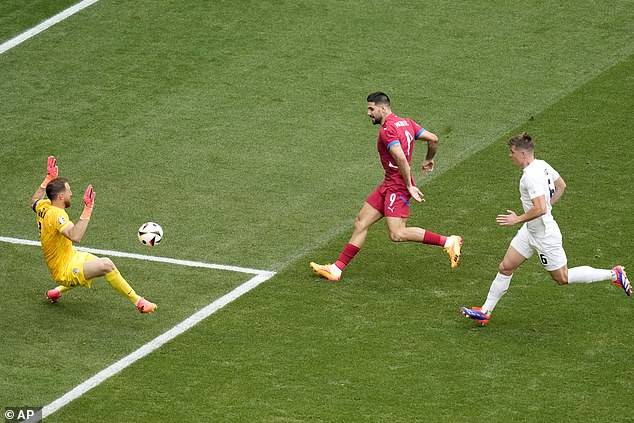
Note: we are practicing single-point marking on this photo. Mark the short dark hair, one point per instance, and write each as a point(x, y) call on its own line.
point(522, 141)
point(379, 98)
point(56, 187)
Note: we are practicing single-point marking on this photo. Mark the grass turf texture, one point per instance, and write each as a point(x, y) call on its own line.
point(241, 130)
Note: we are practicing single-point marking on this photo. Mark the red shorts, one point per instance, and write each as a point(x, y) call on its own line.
point(390, 202)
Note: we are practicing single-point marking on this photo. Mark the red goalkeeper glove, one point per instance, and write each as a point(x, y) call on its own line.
point(51, 171)
point(89, 201)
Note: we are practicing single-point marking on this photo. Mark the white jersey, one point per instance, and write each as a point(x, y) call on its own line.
point(538, 179)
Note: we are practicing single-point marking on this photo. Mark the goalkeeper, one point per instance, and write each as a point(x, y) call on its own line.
point(71, 268)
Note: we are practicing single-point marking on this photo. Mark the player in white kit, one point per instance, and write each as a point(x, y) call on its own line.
point(541, 186)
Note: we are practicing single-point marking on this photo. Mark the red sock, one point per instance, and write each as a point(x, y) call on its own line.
point(434, 239)
point(347, 254)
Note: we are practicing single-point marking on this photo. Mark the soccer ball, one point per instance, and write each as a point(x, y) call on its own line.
point(150, 233)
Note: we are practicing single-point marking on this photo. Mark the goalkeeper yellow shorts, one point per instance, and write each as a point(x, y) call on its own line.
point(73, 275)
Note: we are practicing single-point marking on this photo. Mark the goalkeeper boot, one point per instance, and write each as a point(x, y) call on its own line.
point(144, 306)
point(53, 295)
point(325, 271)
point(476, 314)
point(454, 250)
point(620, 279)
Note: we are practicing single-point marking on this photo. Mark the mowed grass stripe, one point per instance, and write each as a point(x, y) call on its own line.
point(387, 344)
point(251, 75)
point(173, 81)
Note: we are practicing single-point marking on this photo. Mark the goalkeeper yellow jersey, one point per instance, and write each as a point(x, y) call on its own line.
point(57, 249)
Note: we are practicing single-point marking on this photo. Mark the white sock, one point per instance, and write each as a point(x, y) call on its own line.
point(335, 270)
point(498, 288)
point(448, 242)
point(587, 274)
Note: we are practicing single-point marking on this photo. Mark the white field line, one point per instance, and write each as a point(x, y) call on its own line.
point(145, 257)
point(260, 277)
point(7, 45)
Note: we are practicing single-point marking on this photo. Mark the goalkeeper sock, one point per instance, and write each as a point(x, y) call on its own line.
point(120, 285)
point(62, 288)
point(587, 274)
point(498, 288)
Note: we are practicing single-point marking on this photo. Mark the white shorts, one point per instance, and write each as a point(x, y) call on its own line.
point(549, 248)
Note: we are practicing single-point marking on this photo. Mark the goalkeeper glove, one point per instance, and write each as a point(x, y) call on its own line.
point(51, 171)
point(89, 201)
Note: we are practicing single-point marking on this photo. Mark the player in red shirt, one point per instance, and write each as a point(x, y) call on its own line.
point(391, 198)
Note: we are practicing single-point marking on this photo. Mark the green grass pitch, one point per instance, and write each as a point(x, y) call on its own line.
point(240, 127)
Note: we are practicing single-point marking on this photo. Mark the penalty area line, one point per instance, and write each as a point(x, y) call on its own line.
point(260, 277)
point(43, 26)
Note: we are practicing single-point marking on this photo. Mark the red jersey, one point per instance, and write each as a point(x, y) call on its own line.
point(397, 130)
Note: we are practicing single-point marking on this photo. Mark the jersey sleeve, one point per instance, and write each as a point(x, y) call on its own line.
point(37, 205)
point(418, 130)
point(390, 137)
point(40, 204)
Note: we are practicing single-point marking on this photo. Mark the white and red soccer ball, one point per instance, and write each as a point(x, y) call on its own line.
point(150, 233)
